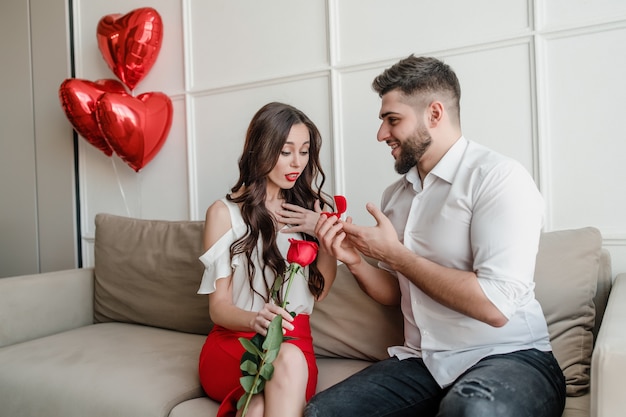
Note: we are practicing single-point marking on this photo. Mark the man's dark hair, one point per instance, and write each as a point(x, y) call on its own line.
point(421, 76)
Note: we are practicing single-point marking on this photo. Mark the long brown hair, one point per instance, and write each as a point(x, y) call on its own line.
point(265, 138)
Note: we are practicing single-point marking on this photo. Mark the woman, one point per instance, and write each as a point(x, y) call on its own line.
point(245, 251)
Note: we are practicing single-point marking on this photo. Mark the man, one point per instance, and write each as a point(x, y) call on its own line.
point(456, 242)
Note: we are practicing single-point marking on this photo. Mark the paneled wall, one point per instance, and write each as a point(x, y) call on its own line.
point(542, 81)
point(38, 230)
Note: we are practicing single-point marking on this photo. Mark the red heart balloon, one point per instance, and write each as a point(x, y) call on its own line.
point(131, 43)
point(135, 127)
point(78, 99)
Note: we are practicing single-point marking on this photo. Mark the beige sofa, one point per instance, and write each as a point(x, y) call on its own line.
point(123, 338)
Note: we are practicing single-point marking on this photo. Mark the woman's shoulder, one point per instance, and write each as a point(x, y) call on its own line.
point(218, 211)
point(217, 221)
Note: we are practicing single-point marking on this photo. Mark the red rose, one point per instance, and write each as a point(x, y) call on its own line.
point(301, 252)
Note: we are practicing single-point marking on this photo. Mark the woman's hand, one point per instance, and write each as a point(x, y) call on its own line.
point(301, 220)
point(333, 240)
point(264, 317)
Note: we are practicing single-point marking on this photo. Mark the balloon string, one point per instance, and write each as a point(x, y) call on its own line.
point(119, 184)
point(139, 187)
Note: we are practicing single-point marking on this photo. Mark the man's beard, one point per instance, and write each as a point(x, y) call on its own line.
point(412, 150)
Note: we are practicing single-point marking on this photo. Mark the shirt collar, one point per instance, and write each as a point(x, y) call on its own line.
point(413, 178)
point(447, 166)
point(445, 169)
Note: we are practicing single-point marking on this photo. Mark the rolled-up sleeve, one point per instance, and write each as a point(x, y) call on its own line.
point(505, 231)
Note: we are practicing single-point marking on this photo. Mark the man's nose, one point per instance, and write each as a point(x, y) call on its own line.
point(383, 133)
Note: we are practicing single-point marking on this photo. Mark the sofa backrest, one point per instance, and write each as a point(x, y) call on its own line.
point(605, 282)
point(567, 279)
point(147, 272)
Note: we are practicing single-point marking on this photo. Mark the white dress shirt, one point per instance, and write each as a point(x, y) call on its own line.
point(476, 211)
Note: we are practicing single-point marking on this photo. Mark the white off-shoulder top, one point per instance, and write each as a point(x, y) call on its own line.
point(219, 265)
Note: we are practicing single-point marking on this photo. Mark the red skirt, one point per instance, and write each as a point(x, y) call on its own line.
point(221, 356)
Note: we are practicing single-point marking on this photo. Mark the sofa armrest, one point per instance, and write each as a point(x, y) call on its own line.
point(608, 363)
point(32, 306)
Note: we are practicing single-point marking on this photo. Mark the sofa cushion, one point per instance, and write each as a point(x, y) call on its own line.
point(197, 407)
point(101, 370)
point(148, 272)
point(349, 324)
point(334, 370)
point(566, 278)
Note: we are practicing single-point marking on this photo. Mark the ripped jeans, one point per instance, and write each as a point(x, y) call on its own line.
point(523, 383)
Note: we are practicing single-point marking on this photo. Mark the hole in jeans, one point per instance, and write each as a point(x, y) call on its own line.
point(474, 388)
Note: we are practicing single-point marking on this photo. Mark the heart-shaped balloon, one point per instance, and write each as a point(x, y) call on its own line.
point(78, 99)
point(130, 43)
point(135, 127)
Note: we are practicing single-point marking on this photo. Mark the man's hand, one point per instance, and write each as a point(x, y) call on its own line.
point(378, 242)
point(334, 238)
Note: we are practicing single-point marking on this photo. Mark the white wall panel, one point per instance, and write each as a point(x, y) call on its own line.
point(19, 237)
point(220, 122)
point(367, 165)
point(497, 100)
point(560, 13)
point(379, 30)
point(586, 108)
point(618, 255)
point(167, 73)
point(233, 42)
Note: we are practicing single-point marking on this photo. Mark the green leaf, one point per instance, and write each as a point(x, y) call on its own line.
point(259, 386)
point(278, 283)
point(249, 367)
point(242, 400)
point(274, 336)
point(257, 340)
point(271, 355)
point(247, 356)
point(249, 346)
point(267, 371)
point(247, 383)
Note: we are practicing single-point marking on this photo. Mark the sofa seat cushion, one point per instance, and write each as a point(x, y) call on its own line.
point(196, 407)
point(334, 370)
point(99, 371)
point(577, 406)
point(331, 371)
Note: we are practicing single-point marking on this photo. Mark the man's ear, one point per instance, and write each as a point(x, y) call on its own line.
point(435, 113)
